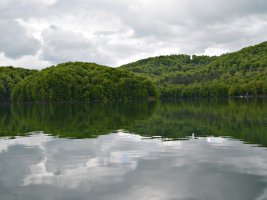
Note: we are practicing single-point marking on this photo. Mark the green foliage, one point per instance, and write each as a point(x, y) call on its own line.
point(77, 81)
point(158, 66)
point(9, 77)
point(242, 73)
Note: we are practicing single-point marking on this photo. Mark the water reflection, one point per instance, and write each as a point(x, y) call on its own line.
point(240, 119)
point(75, 120)
point(186, 150)
point(122, 165)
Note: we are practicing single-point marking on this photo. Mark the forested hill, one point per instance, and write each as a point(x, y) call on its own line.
point(242, 73)
point(78, 81)
point(9, 78)
point(158, 66)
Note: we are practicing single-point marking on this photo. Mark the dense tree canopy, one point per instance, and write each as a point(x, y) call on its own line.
point(242, 73)
point(9, 77)
point(77, 81)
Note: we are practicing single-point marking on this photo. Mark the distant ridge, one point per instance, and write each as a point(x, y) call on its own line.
point(241, 73)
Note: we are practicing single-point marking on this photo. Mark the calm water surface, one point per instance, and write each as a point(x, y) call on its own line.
point(160, 151)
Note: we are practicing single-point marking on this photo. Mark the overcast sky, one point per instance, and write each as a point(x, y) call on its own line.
point(39, 33)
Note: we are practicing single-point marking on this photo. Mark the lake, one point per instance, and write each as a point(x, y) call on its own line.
point(184, 150)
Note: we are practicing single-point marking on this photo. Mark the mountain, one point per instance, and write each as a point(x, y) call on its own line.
point(78, 81)
point(241, 73)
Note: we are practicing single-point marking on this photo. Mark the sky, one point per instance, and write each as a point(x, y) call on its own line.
point(39, 33)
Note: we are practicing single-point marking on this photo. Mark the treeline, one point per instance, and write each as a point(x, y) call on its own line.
point(216, 89)
point(77, 81)
point(9, 77)
point(158, 66)
point(242, 73)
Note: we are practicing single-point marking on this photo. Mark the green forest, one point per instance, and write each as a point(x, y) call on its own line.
point(77, 81)
point(241, 73)
point(238, 74)
point(9, 78)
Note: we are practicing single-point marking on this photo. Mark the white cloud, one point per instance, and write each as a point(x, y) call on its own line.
point(113, 32)
point(28, 61)
point(215, 51)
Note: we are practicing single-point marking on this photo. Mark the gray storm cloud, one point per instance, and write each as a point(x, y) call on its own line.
point(14, 42)
point(113, 32)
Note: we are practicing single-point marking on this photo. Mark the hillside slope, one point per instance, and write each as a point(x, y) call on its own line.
point(9, 78)
point(77, 81)
point(240, 73)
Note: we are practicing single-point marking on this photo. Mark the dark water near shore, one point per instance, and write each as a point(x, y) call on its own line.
point(184, 150)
